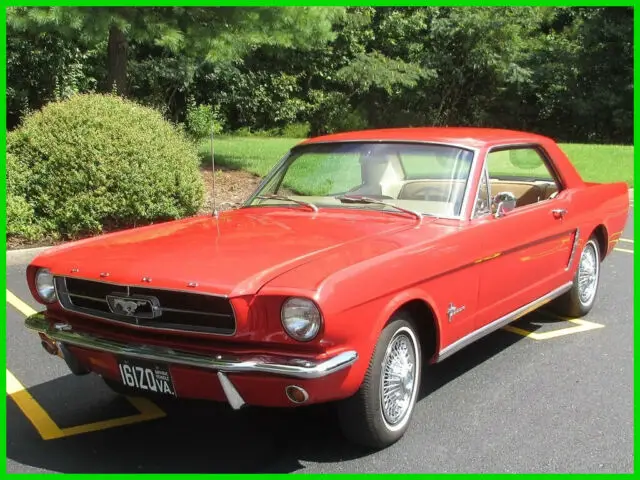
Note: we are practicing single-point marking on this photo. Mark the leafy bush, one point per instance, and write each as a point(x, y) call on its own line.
point(296, 130)
point(293, 130)
point(20, 215)
point(97, 162)
point(332, 113)
point(201, 119)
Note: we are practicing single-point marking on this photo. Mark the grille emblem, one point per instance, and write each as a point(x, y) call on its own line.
point(134, 306)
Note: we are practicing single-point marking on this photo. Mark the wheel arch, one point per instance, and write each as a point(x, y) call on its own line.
point(423, 313)
point(602, 238)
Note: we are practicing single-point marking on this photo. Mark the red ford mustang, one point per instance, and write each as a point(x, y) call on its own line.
point(361, 257)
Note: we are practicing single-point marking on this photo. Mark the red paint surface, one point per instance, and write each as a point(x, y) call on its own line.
point(359, 266)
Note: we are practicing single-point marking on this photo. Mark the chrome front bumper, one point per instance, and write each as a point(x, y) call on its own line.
point(63, 333)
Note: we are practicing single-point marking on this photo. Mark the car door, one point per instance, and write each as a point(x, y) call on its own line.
point(525, 251)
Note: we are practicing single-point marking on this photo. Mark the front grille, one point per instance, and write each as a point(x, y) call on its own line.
point(147, 307)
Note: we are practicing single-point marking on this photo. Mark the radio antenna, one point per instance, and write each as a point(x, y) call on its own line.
point(213, 175)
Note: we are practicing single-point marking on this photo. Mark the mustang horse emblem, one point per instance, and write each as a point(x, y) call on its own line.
point(125, 306)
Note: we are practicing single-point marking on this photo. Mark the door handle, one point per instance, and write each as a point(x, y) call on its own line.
point(559, 212)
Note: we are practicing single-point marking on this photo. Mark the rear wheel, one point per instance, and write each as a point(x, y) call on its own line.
point(578, 301)
point(379, 413)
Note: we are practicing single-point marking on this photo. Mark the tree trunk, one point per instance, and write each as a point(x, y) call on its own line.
point(117, 61)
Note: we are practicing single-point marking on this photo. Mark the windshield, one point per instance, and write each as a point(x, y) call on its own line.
point(425, 178)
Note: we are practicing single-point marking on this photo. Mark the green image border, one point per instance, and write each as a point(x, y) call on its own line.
point(247, 3)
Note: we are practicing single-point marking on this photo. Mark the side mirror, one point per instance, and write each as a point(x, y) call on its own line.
point(503, 202)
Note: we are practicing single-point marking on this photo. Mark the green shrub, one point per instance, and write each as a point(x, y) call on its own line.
point(293, 130)
point(97, 162)
point(296, 130)
point(20, 215)
point(201, 119)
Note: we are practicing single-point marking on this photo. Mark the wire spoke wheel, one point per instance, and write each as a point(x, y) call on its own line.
point(588, 274)
point(398, 379)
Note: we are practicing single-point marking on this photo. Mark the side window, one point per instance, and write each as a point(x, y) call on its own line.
point(522, 171)
point(483, 202)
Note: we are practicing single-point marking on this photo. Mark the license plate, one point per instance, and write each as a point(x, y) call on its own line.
point(147, 376)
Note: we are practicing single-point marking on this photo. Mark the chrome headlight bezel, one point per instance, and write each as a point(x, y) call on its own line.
point(44, 285)
point(306, 313)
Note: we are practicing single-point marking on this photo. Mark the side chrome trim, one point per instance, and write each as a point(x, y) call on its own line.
point(495, 325)
point(271, 364)
point(576, 239)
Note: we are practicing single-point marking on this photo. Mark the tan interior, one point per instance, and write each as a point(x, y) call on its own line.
point(526, 192)
point(444, 197)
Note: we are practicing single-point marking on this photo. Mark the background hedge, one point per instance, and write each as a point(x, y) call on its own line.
point(98, 162)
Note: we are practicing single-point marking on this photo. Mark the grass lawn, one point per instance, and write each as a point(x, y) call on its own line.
point(596, 163)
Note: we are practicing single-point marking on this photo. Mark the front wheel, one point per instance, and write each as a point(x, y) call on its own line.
point(578, 301)
point(378, 414)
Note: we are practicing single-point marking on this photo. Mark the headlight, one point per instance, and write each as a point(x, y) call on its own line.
point(44, 285)
point(301, 319)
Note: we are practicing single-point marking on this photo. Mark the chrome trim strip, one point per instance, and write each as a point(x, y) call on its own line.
point(174, 327)
point(194, 312)
point(147, 287)
point(495, 325)
point(467, 187)
point(270, 364)
point(93, 299)
point(576, 239)
point(484, 174)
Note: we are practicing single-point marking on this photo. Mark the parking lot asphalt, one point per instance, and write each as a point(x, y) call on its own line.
point(546, 395)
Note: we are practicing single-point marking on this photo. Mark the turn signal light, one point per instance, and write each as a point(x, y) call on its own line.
point(296, 394)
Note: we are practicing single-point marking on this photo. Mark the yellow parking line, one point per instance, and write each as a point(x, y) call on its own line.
point(49, 430)
point(39, 418)
point(581, 326)
point(44, 424)
point(147, 411)
point(623, 250)
point(19, 305)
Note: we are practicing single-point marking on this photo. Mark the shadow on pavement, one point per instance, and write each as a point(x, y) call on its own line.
point(201, 437)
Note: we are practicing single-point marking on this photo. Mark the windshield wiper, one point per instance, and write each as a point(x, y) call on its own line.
point(362, 199)
point(284, 197)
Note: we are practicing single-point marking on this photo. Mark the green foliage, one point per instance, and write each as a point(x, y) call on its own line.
point(202, 120)
point(96, 162)
point(20, 215)
point(293, 130)
point(256, 155)
point(296, 130)
point(565, 72)
point(330, 115)
point(369, 70)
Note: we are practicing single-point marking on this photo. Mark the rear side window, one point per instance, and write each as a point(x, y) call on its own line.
point(522, 163)
point(523, 172)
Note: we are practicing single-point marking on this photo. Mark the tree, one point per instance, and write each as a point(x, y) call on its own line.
point(203, 34)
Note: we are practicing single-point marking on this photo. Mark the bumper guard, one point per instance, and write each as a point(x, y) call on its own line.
point(63, 333)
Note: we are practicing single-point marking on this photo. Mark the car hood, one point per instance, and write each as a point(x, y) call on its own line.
point(234, 254)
